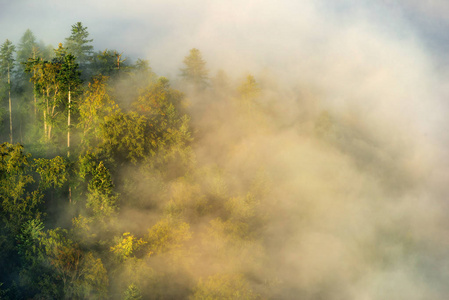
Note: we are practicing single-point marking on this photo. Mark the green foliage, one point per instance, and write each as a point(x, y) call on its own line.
point(134, 150)
point(143, 71)
point(78, 44)
point(168, 235)
point(53, 172)
point(82, 275)
point(101, 198)
point(132, 293)
point(17, 203)
point(123, 136)
point(168, 132)
point(249, 89)
point(109, 63)
point(223, 286)
point(69, 75)
point(53, 82)
point(27, 48)
point(195, 71)
point(158, 99)
point(126, 246)
point(93, 108)
point(28, 238)
point(7, 50)
point(248, 92)
point(98, 202)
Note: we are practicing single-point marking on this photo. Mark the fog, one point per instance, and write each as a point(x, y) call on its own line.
point(347, 151)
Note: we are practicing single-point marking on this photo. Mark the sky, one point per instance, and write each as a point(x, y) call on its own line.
point(317, 40)
point(155, 29)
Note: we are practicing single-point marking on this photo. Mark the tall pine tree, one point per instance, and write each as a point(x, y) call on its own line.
point(6, 65)
point(78, 45)
point(195, 71)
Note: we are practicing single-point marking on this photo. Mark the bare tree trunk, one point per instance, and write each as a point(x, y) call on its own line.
point(68, 140)
point(68, 125)
point(34, 86)
point(10, 110)
point(49, 133)
point(45, 120)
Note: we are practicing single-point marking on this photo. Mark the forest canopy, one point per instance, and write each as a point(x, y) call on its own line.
point(119, 183)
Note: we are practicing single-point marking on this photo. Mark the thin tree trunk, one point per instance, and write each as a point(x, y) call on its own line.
point(68, 125)
point(10, 110)
point(68, 141)
point(45, 124)
point(34, 86)
point(45, 120)
point(52, 114)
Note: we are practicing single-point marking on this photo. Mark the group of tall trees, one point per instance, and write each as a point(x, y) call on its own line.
point(89, 140)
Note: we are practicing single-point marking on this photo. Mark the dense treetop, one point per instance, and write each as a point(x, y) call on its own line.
point(117, 183)
point(82, 121)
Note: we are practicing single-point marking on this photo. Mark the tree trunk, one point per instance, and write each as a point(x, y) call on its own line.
point(10, 110)
point(34, 86)
point(45, 120)
point(68, 140)
point(68, 125)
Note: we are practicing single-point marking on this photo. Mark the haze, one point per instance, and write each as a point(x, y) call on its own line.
point(346, 154)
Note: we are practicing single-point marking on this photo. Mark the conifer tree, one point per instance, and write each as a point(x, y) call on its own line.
point(195, 71)
point(27, 48)
point(78, 45)
point(6, 65)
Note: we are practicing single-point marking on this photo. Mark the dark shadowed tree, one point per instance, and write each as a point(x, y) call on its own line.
point(109, 63)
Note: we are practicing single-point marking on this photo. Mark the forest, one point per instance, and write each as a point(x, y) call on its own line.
point(118, 183)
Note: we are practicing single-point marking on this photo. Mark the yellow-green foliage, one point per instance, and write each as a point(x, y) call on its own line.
point(132, 293)
point(82, 274)
point(52, 171)
point(101, 199)
point(94, 107)
point(18, 203)
point(223, 287)
point(126, 246)
point(168, 235)
point(242, 208)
